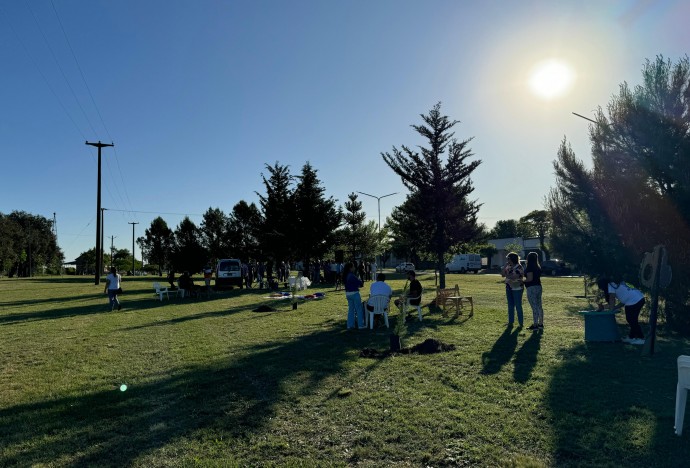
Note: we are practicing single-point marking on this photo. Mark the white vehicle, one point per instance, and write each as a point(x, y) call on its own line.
point(462, 263)
point(406, 266)
point(229, 272)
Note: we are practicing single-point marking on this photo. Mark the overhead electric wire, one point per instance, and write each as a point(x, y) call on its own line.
point(159, 212)
point(62, 72)
point(19, 39)
point(93, 101)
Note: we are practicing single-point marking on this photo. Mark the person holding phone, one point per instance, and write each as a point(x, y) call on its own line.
point(513, 273)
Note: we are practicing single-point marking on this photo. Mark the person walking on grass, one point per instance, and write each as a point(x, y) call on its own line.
point(631, 299)
point(354, 300)
point(112, 287)
point(533, 286)
point(513, 273)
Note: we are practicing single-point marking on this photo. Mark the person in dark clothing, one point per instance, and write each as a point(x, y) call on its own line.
point(533, 285)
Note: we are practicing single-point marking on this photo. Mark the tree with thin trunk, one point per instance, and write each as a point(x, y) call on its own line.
point(440, 176)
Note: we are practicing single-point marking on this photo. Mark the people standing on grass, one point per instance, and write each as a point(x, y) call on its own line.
point(533, 286)
point(208, 274)
point(354, 300)
point(513, 273)
point(112, 287)
point(631, 299)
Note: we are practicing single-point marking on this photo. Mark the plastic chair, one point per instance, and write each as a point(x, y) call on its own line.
point(160, 291)
point(381, 304)
point(682, 391)
point(418, 306)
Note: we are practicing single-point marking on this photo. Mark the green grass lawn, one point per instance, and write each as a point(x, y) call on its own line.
point(212, 383)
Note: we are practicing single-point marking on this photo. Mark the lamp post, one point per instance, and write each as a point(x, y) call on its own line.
point(378, 199)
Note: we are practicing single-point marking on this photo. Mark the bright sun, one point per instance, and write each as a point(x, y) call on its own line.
point(551, 79)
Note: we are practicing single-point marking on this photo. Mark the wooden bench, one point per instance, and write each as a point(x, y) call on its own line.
point(452, 296)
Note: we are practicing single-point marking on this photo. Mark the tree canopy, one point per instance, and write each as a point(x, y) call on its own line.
point(439, 176)
point(637, 192)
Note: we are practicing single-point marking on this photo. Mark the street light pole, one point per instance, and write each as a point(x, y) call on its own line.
point(378, 199)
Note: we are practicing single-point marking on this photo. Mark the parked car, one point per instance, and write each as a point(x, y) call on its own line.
point(405, 266)
point(555, 267)
point(462, 263)
point(229, 272)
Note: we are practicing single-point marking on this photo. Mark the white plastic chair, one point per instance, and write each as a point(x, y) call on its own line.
point(419, 306)
point(160, 291)
point(682, 391)
point(381, 304)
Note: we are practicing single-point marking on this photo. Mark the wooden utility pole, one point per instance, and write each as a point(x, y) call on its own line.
point(133, 247)
point(99, 267)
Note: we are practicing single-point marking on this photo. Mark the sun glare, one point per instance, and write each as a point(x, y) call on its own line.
point(551, 79)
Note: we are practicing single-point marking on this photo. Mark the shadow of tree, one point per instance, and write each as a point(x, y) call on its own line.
point(108, 427)
point(629, 426)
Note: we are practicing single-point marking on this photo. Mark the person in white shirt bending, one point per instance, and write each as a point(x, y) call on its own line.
point(630, 298)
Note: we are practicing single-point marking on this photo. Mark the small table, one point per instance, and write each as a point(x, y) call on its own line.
point(600, 325)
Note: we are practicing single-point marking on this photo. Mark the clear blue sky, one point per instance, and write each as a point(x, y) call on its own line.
point(199, 95)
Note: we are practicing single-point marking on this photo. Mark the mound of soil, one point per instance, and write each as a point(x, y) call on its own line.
point(264, 308)
point(429, 346)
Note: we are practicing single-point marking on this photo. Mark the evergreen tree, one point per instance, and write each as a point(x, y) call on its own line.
point(189, 253)
point(32, 239)
point(443, 189)
point(316, 217)
point(157, 243)
point(244, 226)
point(276, 236)
point(214, 234)
point(354, 233)
point(637, 192)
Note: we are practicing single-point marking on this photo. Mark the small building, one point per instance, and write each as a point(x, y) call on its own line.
point(527, 245)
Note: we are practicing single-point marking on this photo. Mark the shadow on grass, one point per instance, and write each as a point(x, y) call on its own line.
point(50, 300)
point(230, 401)
point(611, 406)
point(502, 351)
point(526, 357)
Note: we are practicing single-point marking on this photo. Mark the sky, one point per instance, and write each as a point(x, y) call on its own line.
point(199, 96)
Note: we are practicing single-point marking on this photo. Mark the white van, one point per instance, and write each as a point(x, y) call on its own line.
point(229, 272)
point(462, 263)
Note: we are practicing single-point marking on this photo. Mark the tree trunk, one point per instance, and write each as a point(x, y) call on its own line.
point(441, 270)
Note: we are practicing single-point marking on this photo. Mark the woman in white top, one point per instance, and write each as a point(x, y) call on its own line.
point(630, 298)
point(112, 287)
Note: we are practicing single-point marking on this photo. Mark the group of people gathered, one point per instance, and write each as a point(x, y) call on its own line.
point(519, 278)
point(356, 307)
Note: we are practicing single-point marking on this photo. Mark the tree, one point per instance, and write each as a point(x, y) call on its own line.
point(509, 228)
point(316, 217)
point(637, 192)
point(409, 234)
point(443, 189)
point(10, 235)
point(188, 253)
point(244, 226)
point(157, 243)
point(32, 239)
point(278, 214)
point(214, 234)
point(539, 222)
point(86, 262)
point(354, 233)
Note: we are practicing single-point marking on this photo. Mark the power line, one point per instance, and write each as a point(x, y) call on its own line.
point(158, 212)
point(93, 101)
point(62, 72)
point(19, 39)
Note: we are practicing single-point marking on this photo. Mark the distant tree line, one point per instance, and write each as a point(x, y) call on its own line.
point(28, 245)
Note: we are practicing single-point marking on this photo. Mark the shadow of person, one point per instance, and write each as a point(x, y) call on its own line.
point(526, 357)
point(501, 352)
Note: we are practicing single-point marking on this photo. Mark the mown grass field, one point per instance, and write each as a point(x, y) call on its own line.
point(212, 383)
